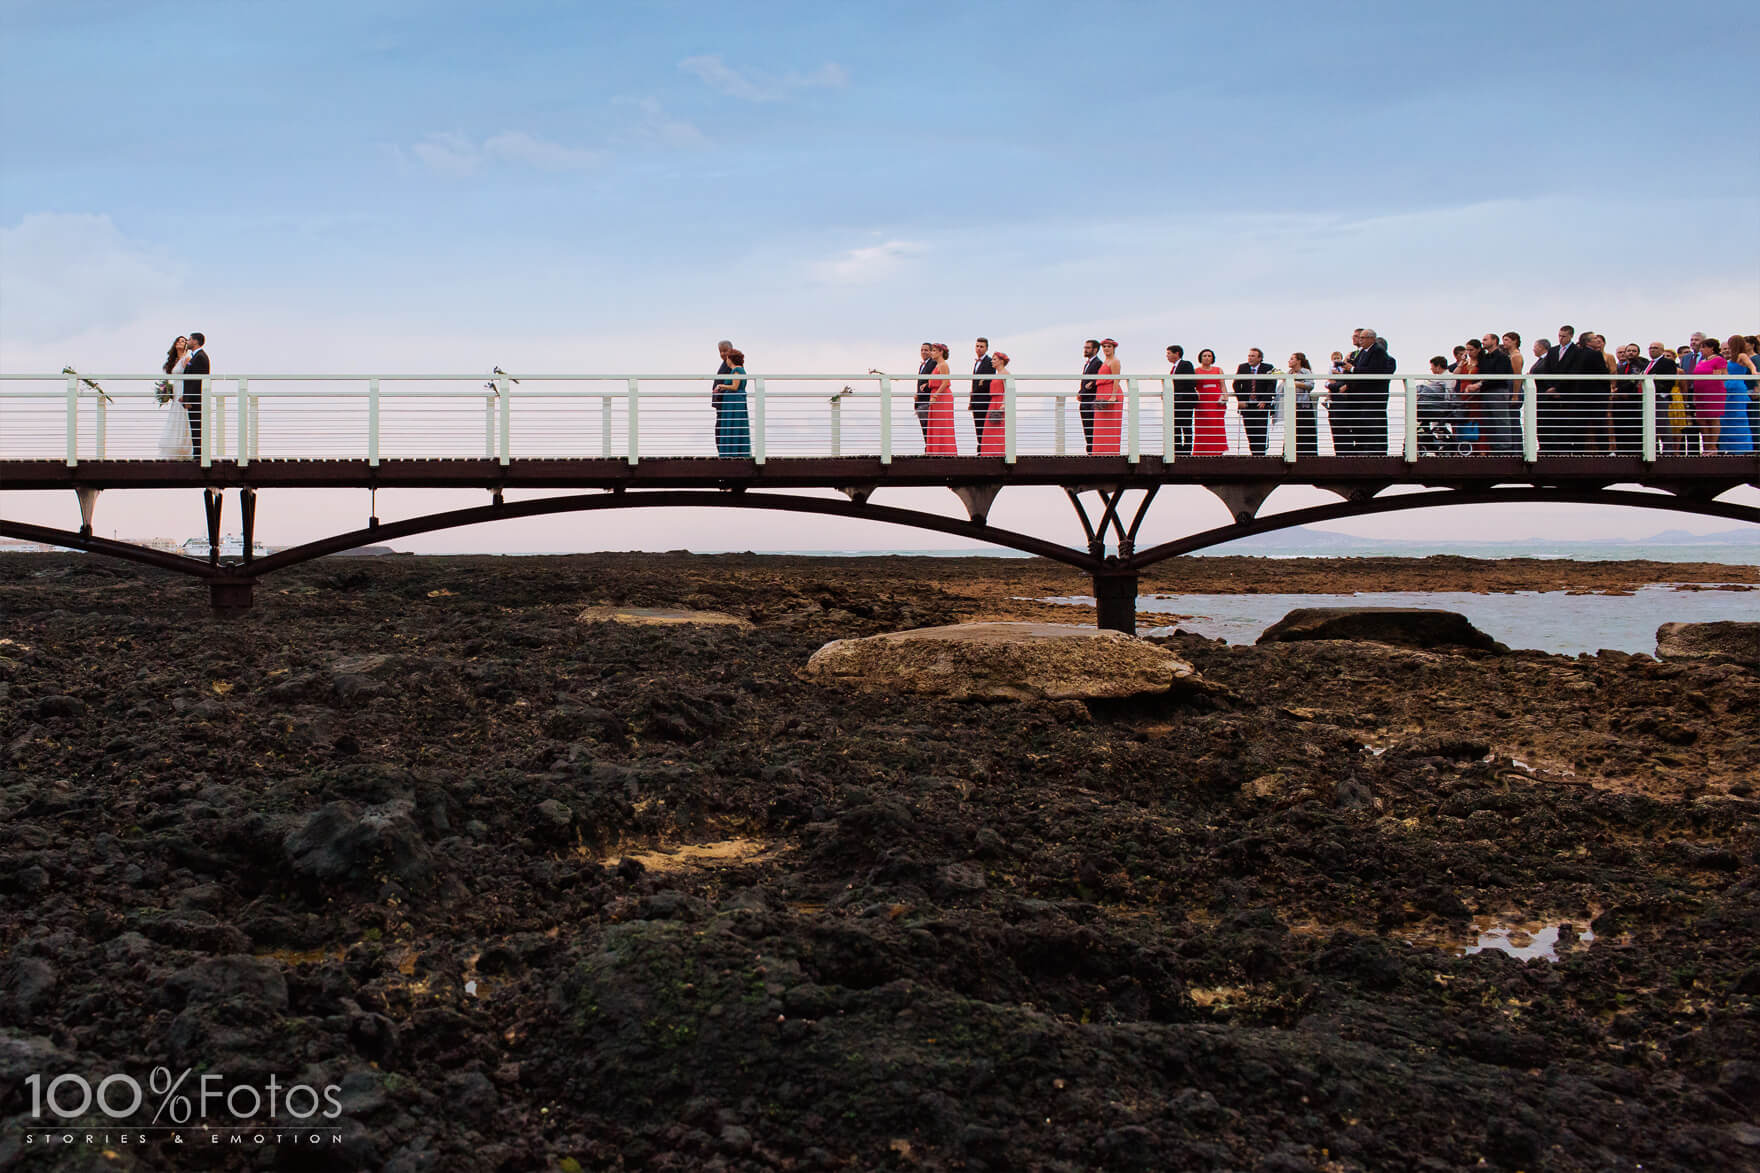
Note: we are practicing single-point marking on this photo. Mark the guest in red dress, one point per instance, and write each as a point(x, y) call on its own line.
point(940, 440)
point(1108, 402)
point(995, 419)
point(1211, 436)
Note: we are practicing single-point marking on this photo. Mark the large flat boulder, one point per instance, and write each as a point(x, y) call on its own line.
point(1410, 627)
point(1725, 640)
point(1004, 661)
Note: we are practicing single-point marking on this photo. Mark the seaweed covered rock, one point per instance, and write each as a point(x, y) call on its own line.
point(1004, 661)
point(1727, 640)
point(1410, 627)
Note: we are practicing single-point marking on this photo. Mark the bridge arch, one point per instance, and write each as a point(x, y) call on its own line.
point(1439, 499)
point(1115, 576)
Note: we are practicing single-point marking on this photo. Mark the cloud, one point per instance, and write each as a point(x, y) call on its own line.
point(757, 86)
point(863, 266)
point(67, 273)
point(455, 154)
point(654, 124)
point(516, 146)
point(449, 154)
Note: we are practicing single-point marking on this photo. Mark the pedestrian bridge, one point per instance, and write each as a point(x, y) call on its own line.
point(613, 441)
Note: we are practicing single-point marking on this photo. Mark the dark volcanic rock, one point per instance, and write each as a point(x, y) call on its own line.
point(1412, 627)
point(1727, 640)
point(860, 929)
point(253, 979)
point(341, 844)
point(69, 708)
point(28, 984)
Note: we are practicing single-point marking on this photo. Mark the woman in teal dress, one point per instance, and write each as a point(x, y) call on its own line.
point(733, 426)
point(1737, 433)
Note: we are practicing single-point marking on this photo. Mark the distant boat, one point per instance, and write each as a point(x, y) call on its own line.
point(231, 546)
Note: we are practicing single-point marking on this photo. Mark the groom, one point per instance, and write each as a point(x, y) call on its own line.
point(192, 391)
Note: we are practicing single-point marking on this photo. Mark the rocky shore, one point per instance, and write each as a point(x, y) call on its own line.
point(534, 889)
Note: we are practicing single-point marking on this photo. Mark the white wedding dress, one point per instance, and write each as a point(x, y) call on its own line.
point(175, 442)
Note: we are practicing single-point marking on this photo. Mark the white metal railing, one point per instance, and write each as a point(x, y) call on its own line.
point(378, 417)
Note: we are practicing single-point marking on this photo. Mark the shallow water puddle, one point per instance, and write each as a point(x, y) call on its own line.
point(1524, 943)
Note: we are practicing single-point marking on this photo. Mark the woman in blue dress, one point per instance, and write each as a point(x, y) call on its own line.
point(733, 428)
point(1737, 434)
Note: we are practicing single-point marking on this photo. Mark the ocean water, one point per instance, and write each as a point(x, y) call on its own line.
point(1549, 621)
point(1727, 553)
point(1730, 553)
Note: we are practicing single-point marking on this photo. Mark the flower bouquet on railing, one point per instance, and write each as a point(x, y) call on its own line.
point(102, 394)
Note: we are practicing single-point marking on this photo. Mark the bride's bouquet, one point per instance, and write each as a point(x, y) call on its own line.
point(162, 392)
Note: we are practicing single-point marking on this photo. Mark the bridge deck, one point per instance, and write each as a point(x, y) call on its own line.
point(1715, 473)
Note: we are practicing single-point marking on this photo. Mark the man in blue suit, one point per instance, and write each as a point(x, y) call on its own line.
point(982, 389)
point(1185, 401)
point(1255, 395)
point(921, 403)
point(1088, 389)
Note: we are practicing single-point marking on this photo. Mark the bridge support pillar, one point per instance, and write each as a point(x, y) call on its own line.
point(1115, 600)
point(231, 596)
point(1243, 500)
point(88, 501)
point(247, 507)
point(977, 499)
point(211, 502)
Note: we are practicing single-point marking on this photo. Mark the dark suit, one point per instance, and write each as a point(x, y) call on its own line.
point(1255, 397)
point(982, 390)
point(1625, 409)
point(1185, 408)
point(1085, 395)
point(192, 399)
point(1586, 401)
point(1666, 372)
point(1563, 405)
point(922, 401)
point(1363, 410)
point(1549, 417)
point(1495, 412)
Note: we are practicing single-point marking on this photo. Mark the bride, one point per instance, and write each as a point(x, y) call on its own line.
point(175, 442)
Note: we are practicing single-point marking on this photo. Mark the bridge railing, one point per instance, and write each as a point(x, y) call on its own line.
point(629, 417)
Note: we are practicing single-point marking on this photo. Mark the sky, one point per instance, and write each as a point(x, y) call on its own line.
point(432, 186)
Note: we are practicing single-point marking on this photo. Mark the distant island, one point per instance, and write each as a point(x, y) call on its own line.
point(1307, 540)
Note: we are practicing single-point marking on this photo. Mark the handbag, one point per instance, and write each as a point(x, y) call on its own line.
point(175, 442)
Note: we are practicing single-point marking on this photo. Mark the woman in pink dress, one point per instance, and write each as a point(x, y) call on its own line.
point(1108, 402)
point(996, 420)
point(941, 441)
point(1708, 393)
point(1209, 435)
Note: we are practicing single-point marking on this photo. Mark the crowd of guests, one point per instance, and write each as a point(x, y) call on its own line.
point(1705, 395)
point(1588, 399)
